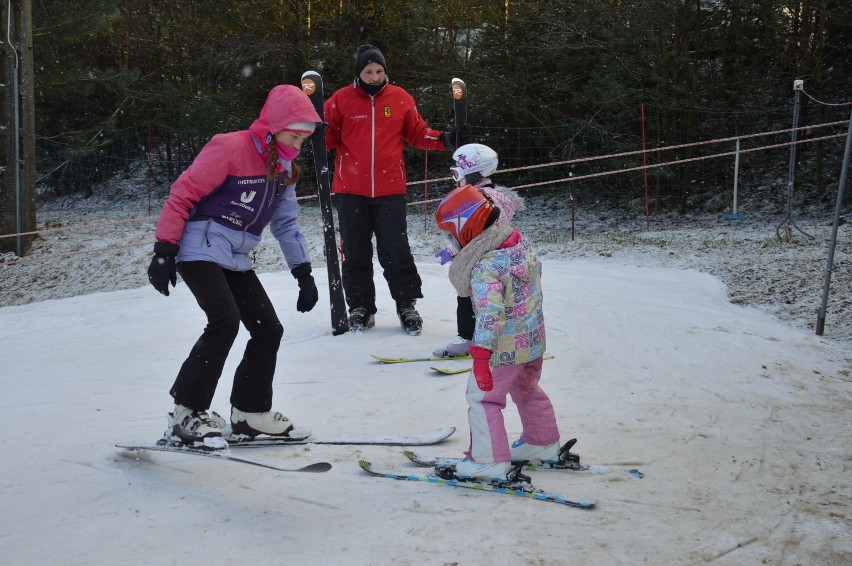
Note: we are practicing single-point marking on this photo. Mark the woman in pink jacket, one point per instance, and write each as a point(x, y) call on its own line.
point(217, 209)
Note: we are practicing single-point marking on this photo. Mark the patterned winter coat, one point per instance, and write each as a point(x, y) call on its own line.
point(507, 299)
point(218, 207)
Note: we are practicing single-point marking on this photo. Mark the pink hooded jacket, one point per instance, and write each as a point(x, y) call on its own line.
point(221, 203)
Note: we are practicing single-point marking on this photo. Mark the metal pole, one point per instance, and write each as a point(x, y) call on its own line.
point(17, 163)
point(736, 173)
point(798, 85)
point(820, 324)
point(791, 168)
point(645, 169)
point(150, 169)
point(573, 207)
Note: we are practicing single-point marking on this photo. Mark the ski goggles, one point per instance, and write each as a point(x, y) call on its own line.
point(453, 245)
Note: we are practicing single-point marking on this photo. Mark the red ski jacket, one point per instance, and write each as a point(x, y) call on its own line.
point(367, 133)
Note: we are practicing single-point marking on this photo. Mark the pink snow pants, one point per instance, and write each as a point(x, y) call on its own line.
point(488, 439)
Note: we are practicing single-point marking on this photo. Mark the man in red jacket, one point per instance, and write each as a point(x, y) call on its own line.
point(367, 124)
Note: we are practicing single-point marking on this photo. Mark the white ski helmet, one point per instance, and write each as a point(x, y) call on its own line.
point(473, 158)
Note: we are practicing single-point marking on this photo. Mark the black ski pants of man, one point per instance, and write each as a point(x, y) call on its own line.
point(359, 218)
point(228, 298)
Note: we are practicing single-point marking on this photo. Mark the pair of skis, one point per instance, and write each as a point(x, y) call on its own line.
point(403, 360)
point(446, 370)
point(312, 85)
point(515, 483)
point(567, 461)
point(218, 448)
point(222, 454)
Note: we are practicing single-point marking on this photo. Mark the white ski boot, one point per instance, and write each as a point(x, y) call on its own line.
point(190, 427)
point(458, 346)
point(270, 423)
point(486, 471)
point(520, 450)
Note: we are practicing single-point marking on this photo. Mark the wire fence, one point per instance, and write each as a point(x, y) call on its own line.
point(651, 154)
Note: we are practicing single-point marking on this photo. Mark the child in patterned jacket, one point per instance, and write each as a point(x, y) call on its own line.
point(474, 163)
point(498, 268)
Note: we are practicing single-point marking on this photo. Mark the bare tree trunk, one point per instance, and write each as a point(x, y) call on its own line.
point(17, 180)
point(8, 68)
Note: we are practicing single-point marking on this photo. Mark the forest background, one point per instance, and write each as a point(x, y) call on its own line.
point(121, 86)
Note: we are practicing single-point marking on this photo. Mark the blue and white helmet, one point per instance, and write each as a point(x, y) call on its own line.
point(473, 158)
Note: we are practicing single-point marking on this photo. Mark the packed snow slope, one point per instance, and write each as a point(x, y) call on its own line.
point(683, 346)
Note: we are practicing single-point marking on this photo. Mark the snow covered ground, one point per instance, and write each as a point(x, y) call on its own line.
point(103, 243)
point(686, 350)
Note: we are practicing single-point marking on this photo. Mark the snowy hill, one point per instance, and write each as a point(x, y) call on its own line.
point(739, 416)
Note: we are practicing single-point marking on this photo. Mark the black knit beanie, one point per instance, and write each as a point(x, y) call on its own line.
point(367, 54)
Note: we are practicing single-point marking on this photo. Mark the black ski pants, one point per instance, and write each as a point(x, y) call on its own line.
point(465, 321)
point(228, 298)
point(386, 217)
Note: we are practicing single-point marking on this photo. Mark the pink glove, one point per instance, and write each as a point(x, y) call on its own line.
point(482, 367)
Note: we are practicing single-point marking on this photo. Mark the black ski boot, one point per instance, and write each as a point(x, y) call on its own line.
point(409, 318)
point(360, 319)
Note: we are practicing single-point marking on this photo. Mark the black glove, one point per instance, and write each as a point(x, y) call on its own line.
point(457, 137)
point(162, 268)
point(308, 294)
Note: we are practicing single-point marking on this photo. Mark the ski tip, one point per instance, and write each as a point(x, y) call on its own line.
point(457, 80)
point(449, 371)
point(387, 360)
point(311, 84)
point(141, 446)
point(306, 73)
